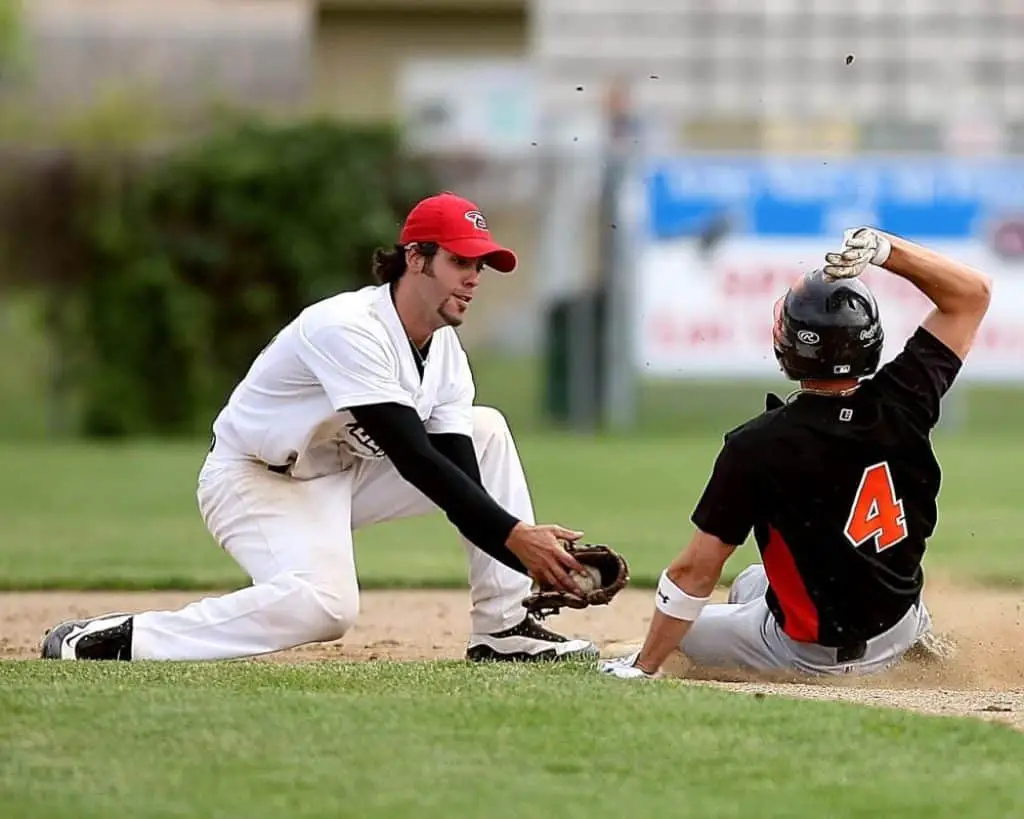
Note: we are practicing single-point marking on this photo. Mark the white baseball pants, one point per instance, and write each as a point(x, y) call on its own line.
point(294, 538)
point(743, 634)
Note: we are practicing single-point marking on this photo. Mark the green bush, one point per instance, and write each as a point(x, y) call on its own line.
point(173, 271)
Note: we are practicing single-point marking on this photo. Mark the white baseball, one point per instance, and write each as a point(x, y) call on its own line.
point(588, 580)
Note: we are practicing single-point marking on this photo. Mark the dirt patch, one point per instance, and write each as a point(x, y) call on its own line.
point(985, 680)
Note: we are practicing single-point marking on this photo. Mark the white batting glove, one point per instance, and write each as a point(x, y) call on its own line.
point(861, 247)
point(623, 668)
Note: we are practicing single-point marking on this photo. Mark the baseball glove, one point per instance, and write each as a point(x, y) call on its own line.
point(608, 569)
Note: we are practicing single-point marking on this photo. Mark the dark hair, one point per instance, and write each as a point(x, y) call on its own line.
point(389, 265)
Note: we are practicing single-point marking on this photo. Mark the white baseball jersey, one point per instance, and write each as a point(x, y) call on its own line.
point(346, 351)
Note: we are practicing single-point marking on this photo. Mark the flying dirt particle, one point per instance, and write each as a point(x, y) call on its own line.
point(579, 87)
point(654, 77)
point(849, 59)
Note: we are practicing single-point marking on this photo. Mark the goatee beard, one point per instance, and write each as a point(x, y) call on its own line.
point(448, 318)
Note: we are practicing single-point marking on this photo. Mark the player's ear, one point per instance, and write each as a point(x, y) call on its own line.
point(413, 259)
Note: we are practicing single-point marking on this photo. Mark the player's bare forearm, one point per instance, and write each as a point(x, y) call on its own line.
point(960, 293)
point(952, 286)
point(663, 637)
point(696, 575)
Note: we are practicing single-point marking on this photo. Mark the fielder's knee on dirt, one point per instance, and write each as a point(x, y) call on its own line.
point(332, 606)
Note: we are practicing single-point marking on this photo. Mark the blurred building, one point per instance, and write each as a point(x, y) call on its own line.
point(176, 54)
point(511, 95)
point(363, 49)
point(455, 73)
point(884, 75)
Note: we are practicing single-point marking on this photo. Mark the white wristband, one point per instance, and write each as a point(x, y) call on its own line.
point(674, 602)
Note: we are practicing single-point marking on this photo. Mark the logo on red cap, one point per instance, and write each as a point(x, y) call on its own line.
point(477, 218)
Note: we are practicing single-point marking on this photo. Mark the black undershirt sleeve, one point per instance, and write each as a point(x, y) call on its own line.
point(459, 450)
point(445, 469)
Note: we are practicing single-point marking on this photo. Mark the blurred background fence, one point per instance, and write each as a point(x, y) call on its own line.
point(179, 178)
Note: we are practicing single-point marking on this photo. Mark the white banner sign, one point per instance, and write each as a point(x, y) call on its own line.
point(711, 315)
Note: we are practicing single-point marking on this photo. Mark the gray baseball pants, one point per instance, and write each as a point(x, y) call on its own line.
point(743, 634)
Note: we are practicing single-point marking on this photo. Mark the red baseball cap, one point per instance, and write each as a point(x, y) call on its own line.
point(457, 225)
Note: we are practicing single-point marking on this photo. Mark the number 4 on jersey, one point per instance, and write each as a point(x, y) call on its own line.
point(876, 512)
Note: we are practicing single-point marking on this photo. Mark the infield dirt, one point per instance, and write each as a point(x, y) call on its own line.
point(986, 679)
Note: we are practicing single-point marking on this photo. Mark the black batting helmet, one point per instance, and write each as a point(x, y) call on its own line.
point(827, 328)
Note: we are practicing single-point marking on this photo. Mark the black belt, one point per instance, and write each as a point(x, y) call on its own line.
point(855, 651)
point(279, 469)
point(851, 653)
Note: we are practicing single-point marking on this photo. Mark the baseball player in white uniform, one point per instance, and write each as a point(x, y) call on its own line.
point(360, 411)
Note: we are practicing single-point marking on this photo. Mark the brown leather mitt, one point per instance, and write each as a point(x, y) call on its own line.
point(607, 575)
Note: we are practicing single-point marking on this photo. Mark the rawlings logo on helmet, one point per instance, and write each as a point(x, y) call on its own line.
point(477, 218)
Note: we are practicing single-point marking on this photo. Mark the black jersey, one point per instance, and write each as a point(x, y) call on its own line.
point(840, 493)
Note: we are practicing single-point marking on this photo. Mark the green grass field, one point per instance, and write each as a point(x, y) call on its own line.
point(444, 740)
point(87, 516)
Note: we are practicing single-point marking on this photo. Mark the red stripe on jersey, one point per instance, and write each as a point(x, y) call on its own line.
point(800, 615)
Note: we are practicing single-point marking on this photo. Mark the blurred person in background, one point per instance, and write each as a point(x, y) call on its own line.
point(839, 484)
point(357, 412)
